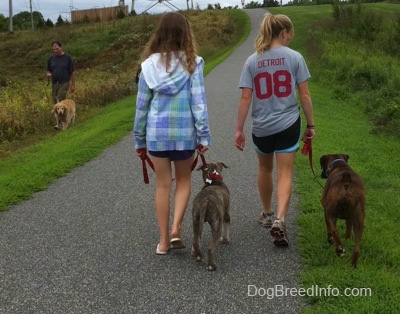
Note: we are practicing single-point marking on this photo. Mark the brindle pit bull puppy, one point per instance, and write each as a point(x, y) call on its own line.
point(343, 197)
point(211, 205)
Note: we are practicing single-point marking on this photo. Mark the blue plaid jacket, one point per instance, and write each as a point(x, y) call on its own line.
point(171, 109)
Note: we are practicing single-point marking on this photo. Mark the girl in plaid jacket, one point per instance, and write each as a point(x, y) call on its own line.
point(171, 119)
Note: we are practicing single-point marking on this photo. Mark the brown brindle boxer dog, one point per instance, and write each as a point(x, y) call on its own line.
point(343, 197)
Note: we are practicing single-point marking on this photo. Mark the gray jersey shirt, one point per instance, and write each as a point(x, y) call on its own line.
point(273, 77)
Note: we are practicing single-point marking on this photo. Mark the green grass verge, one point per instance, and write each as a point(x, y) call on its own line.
point(34, 168)
point(342, 127)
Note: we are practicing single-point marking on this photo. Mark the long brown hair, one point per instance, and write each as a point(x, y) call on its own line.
point(270, 28)
point(173, 35)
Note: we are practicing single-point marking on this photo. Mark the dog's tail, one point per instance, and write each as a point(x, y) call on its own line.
point(346, 180)
point(198, 219)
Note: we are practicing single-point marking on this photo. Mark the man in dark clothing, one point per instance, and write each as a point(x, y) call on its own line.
point(61, 71)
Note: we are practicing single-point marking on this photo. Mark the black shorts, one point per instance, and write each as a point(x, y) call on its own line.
point(173, 154)
point(286, 141)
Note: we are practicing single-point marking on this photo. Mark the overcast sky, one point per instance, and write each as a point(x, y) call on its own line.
point(51, 9)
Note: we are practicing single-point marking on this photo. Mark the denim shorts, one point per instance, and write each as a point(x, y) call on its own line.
point(286, 141)
point(173, 154)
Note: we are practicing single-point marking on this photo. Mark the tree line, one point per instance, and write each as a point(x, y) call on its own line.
point(23, 21)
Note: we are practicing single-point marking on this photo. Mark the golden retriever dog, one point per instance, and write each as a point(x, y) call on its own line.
point(64, 112)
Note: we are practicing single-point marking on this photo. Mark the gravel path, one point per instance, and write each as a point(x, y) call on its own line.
point(87, 244)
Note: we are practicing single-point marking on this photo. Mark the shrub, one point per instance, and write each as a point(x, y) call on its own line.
point(355, 57)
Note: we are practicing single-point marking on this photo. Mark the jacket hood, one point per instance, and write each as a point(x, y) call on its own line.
point(158, 79)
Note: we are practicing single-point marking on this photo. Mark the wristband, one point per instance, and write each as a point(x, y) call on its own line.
point(310, 126)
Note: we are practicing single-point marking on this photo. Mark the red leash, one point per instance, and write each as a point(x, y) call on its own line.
point(307, 150)
point(203, 160)
point(144, 158)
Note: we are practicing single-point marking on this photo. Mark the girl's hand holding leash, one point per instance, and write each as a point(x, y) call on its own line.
point(202, 149)
point(309, 133)
point(142, 153)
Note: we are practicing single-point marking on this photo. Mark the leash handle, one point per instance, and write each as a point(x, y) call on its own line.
point(203, 160)
point(143, 156)
point(306, 148)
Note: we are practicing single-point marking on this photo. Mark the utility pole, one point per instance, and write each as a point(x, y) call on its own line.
point(30, 6)
point(10, 27)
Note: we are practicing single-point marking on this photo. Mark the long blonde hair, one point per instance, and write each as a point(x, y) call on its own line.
point(173, 35)
point(270, 28)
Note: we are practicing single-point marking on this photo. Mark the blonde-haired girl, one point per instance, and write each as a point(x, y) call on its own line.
point(268, 81)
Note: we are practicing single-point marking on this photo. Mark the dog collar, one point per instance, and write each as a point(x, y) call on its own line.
point(333, 163)
point(215, 176)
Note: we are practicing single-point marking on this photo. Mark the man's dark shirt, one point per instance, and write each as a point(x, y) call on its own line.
point(61, 68)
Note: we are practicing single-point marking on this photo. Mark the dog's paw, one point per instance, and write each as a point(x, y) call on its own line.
point(197, 255)
point(340, 251)
point(224, 240)
point(211, 267)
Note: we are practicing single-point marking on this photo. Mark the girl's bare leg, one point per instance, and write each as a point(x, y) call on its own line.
point(284, 169)
point(183, 173)
point(163, 171)
point(265, 183)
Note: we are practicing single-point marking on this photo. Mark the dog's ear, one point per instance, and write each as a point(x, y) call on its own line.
point(221, 165)
point(199, 167)
point(322, 161)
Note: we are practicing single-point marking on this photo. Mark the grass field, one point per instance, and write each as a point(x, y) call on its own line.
point(341, 126)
